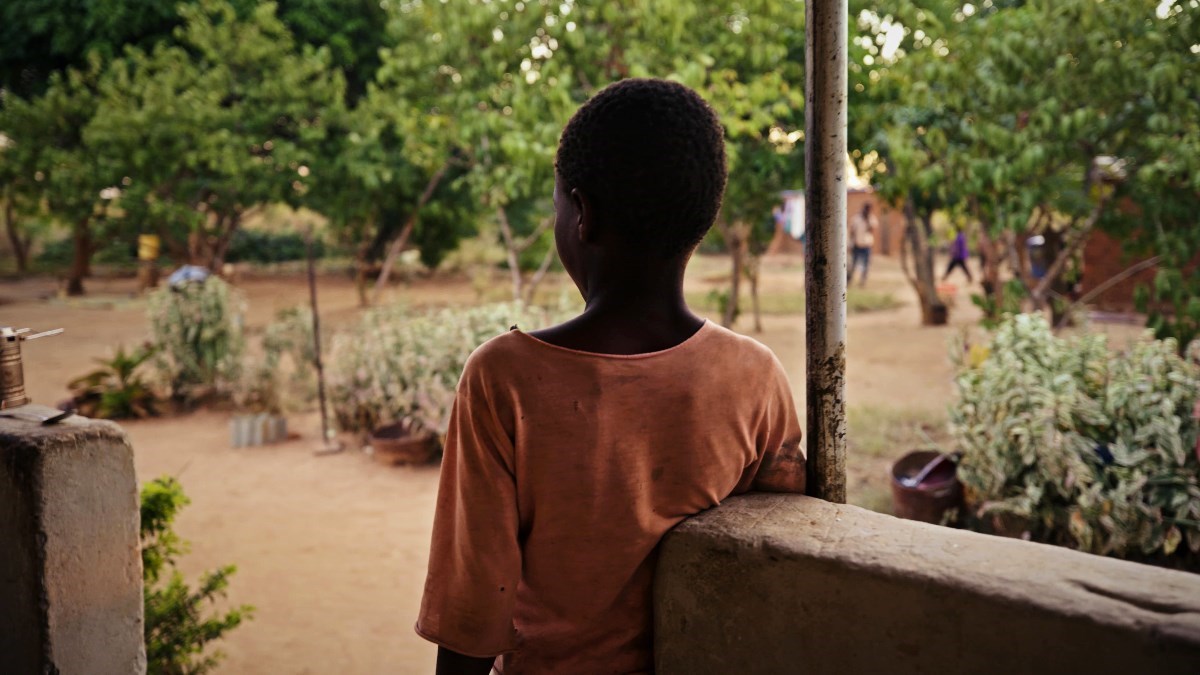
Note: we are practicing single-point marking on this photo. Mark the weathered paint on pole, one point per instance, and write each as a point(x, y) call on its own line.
point(825, 247)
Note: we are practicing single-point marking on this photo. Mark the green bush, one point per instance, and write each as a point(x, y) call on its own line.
point(178, 629)
point(1069, 443)
point(197, 335)
point(398, 364)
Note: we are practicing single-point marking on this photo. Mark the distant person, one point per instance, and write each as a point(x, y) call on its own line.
point(862, 239)
point(779, 215)
point(959, 255)
point(572, 450)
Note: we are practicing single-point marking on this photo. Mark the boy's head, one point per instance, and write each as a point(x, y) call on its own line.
point(645, 159)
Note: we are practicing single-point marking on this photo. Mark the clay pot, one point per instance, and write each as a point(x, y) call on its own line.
point(937, 491)
point(402, 443)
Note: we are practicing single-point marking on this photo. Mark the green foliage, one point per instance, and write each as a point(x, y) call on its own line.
point(409, 367)
point(998, 308)
point(1067, 442)
point(179, 628)
point(257, 246)
point(1005, 114)
point(1172, 302)
point(197, 335)
point(116, 390)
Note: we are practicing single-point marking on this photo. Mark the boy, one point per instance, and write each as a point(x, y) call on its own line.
point(572, 450)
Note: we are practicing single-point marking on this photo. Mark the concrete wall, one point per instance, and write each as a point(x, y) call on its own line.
point(70, 562)
point(790, 584)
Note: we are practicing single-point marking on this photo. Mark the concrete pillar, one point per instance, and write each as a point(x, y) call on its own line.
point(70, 559)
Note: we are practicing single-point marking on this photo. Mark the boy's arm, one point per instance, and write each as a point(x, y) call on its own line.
point(781, 466)
point(475, 556)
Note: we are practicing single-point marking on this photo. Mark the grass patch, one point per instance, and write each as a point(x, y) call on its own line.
point(858, 301)
point(876, 437)
point(876, 431)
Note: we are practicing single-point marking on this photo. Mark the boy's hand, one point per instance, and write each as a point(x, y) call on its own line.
point(452, 663)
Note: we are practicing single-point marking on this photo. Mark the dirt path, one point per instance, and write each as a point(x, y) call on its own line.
point(332, 550)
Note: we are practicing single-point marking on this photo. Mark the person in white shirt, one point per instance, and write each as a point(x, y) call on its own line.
point(862, 240)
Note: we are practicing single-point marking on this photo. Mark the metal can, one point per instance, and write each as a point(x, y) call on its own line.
point(12, 377)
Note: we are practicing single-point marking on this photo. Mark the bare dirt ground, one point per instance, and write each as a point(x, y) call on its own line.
point(332, 550)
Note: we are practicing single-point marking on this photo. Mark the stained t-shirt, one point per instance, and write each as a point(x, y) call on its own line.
point(562, 471)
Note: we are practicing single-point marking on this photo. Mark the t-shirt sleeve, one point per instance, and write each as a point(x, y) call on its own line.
point(780, 463)
point(475, 557)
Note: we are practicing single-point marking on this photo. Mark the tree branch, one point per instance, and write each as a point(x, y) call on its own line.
point(514, 265)
point(540, 274)
point(1069, 251)
point(401, 240)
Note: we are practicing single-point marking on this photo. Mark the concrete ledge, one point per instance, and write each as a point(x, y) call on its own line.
point(790, 584)
point(70, 557)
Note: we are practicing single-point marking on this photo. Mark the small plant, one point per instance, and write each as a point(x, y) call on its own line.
point(197, 334)
point(115, 390)
point(178, 632)
point(283, 374)
point(1069, 443)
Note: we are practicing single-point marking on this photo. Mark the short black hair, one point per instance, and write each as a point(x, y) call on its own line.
point(650, 156)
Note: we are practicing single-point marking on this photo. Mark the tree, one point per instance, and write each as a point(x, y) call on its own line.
point(49, 170)
point(201, 131)
point(1036, 118)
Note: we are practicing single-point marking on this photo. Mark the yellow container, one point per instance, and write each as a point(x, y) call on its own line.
point(148, 246)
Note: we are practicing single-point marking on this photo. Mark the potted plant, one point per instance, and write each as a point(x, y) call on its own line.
point(404, 442)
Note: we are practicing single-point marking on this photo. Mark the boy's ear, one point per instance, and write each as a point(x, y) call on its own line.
point(586, 225)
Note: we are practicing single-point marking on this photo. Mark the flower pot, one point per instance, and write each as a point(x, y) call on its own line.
point(402, 443)
point(930, 498)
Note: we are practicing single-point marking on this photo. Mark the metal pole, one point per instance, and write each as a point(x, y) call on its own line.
point(316, 328)
point(825, 248)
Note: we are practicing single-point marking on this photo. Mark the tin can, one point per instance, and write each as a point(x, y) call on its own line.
point(12, 377)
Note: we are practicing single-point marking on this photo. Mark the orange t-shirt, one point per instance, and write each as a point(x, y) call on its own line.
point(563, 469)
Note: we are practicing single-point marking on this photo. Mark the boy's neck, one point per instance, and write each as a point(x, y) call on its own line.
point(632, 307)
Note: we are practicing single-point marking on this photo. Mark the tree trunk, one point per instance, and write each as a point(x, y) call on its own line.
point(228, 227)
point(752, 268)
point(540, 274)
point(918, 231)
point(1054, 272)
point(737, 244)
point(361, 274)
point(20, 246)
point(511, 251)
point(80, 257)
point(989, 266)
point(398, 244)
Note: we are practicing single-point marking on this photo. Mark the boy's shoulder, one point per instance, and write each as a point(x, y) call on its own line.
point(744, 349)
point(499, 349)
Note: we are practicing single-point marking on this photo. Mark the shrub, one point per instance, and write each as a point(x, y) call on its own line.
point(197, 335)
point(115, 390)
point(1067, 442)
point(177, 632)
point(283, 376)
point(398, 364)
